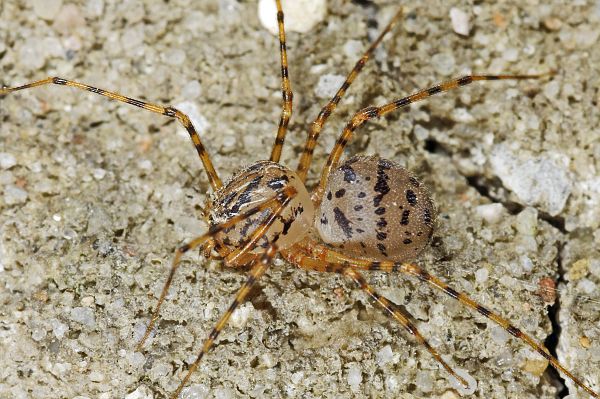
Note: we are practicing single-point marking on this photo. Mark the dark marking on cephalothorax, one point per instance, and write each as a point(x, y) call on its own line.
point(343, 222)
point(382, 223)
point(246, 196)
point(359, 230)
point(324, 220)
point(382, 249)
point(380, 211)
point(362, 194)
point(411, 197)
point(349, 173)
point(358, 208)
point(329, 196)
point(405, 215)
point(407, 241)
point(340, 193)
point(381, 235)
point(414, 182)
point(278, 182)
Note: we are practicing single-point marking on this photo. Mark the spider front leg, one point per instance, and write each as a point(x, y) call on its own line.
point(257, 271)
point(171, 112)
point(340, 261)
point(279, 202)
point(286, 90)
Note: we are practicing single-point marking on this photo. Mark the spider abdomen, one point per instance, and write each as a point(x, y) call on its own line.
point(375, 209)
point(251, 187)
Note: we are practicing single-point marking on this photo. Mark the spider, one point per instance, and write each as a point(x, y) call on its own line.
point(266, 209)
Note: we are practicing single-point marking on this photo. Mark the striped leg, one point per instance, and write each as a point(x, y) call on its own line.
point(327, 110)
point(286, 90)
point(304, 260)
point(368, 113)
point(402, 317)
point(328, 255)
point(279, 201)
point(215, 181)
point(258, 269)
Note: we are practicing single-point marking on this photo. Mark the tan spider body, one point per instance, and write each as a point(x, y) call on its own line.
point(370, 213)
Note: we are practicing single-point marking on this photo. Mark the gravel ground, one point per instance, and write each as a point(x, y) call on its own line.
point(95, 196)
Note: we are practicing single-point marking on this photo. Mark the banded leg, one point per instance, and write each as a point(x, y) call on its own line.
point(281, 199)
point(258, 269)
point(368, 113)
point(213, 177)
point(327, 110)
point(402, 317)
point(328, 255)
point(286, 90)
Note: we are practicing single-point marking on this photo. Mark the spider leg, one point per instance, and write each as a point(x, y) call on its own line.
point(369, 113)
point(171, 112)
point(258, 269)
point(281, 199)
point(286, 90)
point(327, 110)
point(298, 256)
point(401, 316)
point(328, 255)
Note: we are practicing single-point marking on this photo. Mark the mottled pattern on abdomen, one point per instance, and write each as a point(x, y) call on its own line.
point(375, 209)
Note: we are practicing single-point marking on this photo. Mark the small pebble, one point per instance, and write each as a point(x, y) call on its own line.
point(384, 356)
point(460, 21)
point(196, 391)
point(46, 9)
point(141, 392)
point(191, 90)
point(300, 15)
point(84, 316)
point(491, 213)
point(14, 195)
point(354, 377)
point(443, 63)
point(7, 160)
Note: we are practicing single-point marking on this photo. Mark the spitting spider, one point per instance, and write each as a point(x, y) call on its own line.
point(266, 210)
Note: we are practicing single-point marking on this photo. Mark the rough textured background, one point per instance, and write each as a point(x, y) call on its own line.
point(94, 197)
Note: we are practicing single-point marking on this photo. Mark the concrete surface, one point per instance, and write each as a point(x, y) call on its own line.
point(95, 196)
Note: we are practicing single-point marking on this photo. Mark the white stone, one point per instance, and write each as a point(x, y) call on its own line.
point(14, 195)
point(491, 213)
point(240, 316)
point(536, 181)
point(443, 63)
point(191, 90)
point(481, 275)
point(299, 15)
point(196, 391)
point(84, 316)
point(384, 356)
point(7, 160)
point(460, 21)
point(141, 392)
point(354, 376)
